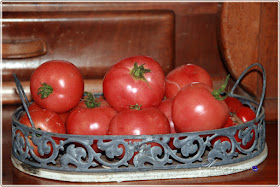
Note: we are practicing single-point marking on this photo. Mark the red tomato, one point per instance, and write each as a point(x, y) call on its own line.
point(229, 123)
point(196, 109)
point(233, 104)
point(90, 121)
point(245, 114)
point(147, 121)
point(35, 106)
point(134, 80)
point(46, 121)
point(165, 107)
point(184, 75)
point(57, 86)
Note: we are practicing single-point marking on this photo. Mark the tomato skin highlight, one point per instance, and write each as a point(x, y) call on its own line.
point(46, 121)
point(66, 81)
point(147, 121)
point(121, 89)
point(184, 75)
point(195, 109)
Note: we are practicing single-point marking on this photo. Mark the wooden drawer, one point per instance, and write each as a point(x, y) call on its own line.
point(93, 41)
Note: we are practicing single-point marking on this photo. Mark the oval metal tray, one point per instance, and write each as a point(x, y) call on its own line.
point(194, 155)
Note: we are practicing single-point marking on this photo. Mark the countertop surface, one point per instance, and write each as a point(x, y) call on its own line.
point(266, 174)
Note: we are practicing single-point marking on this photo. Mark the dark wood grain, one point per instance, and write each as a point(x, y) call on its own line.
point(93, 41)
point(266, 175)
point(248, 34)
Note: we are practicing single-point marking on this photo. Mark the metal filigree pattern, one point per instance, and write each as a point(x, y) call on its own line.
point(136, 153)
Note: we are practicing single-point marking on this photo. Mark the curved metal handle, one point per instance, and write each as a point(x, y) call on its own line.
point(17, 49)
point(263, 88)
point(23, 99)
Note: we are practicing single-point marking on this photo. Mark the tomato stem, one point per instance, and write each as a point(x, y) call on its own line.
point(45, 90)
point(135, 107)
point(91, 101)
point(30, 134)
point(138, 72)
point(221, 91)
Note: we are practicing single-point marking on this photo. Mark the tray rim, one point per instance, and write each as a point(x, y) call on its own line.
point(69, 176)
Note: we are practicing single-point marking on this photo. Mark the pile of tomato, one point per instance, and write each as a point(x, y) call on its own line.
point(138, 99)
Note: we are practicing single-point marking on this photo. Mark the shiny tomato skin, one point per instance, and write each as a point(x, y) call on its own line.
point(90, 121)
point(233, 104)
point(66, 81)
point(166, 107)
point(184, 75)
point(195, 109)
point(121, 89)
point(246, 114)
point(46, 121)
point(35, 106)
point(147, 121)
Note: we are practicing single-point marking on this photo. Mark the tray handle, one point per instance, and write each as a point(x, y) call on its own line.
point(263, 88)
point(23, 99)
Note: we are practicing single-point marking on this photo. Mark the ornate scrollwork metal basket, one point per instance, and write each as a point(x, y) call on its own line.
point(120, 154)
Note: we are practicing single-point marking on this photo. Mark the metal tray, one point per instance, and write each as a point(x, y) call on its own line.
point(73, 159)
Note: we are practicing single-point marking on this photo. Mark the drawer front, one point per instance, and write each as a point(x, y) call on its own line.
point(93, 41)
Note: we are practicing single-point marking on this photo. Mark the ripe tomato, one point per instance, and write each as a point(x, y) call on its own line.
point(233, 104)
point(134, 80)
point(229, 123)
point(245, 114)
point(46, 121)
point(184, 75)
point(165, 107)
point(34, 106)
point(90, 121)
point(57, 86)
point(147, 121)
point(196, 109)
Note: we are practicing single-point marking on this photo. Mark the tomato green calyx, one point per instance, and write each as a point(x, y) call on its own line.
point(135, 107)
point(220, 94)
point(138, 72)
point(91, 101)
point(45, 90)
point(38, 135)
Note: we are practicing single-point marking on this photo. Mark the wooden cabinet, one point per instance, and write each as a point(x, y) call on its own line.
point(248, 34)
point(95, 35)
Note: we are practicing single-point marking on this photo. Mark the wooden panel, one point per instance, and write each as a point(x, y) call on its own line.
point(268, 54)
point(93, 41)
point(239, 39)
point(195, 28)
point(248, 34)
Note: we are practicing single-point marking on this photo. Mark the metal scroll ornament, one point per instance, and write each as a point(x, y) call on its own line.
point(65, 152)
